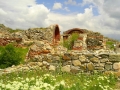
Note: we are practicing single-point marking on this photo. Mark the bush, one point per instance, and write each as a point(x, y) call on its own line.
point(70, 41)
point(9, 56)
point(110, 45)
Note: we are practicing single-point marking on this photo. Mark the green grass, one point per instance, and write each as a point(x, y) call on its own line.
point(45, 80)
point(110, 45)
point(23, 52)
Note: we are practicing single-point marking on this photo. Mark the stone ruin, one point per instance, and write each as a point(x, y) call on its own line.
point(46, 52)
point(87, 40)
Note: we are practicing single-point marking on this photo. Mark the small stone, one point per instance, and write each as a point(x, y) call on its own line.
point(45, 63)
point(109, 63)
point(76, 62)
point(116, 66)
point(75, 56)
point(35, 58)
point(90, 66)
point(102, 64)
point(94, 60)
point(104, 55)
point(114, 58)
point(104, 60)
point(65, 68)
point(56, 58)
point(66, 57)
point(83, 67)
point(82, 58)
point(75, 69)
point(99, 68)
point(34, 48)
point(49, 60)
point(52, 68)
point(39, 64)
point(108, 66)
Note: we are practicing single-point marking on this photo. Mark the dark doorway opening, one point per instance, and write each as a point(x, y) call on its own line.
point(56, 34)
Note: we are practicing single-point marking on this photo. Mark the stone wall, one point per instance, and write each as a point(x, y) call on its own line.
point(71, 62)
point(49, 33)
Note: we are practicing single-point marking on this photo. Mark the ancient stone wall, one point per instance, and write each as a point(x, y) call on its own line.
point(69, 62)
point(51, 34)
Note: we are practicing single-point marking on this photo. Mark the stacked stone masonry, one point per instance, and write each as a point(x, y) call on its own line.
point(72, 63)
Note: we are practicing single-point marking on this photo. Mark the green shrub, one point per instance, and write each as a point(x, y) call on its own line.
point(110, 45)
point(10, 55)
point(70, 41)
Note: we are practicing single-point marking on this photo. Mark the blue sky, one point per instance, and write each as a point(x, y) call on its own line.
point(97, 15)
point(75, 7)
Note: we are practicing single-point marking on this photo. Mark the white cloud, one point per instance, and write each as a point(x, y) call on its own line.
point(66, 8)
point(27, 14)
point(57, 6)
point(71, 2)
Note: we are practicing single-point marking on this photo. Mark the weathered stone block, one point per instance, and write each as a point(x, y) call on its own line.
point(57, 58)
point(103, 55)
point(94, 60)
point(66, 56)
point(82, 58)
point(67, 63)
point(66, 68)
point(116, 66)
point(104, 60)
point(83, 67)
point(114, 58)
point(109, 63)
point(108, 66)
point(76, 62)
point(99, 68)
point(39, 64)
point(74, 69)
point(52, 68)
point(89, 56)
point(74, 57)
point(90, 66)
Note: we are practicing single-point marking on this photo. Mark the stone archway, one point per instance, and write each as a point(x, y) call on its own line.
point(56, 34)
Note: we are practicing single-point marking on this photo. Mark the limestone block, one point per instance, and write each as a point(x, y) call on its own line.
point(104, 60)
point(99, 68)
point(52, 68)
point(114, 58)
point(82, 58)
point(109, 63)
point(45, 63)
point(108, 66)
point(66, 57)
point(116, 66)
point(75, 69)
point(67, 63)
point(74, 56)
point(56, 58)
point(103, 55)
point(94, 60)
point(66, 68)
point(34, 48)
point(90, 66)
point(39, 64)
point(83, 67)
point(76, 62)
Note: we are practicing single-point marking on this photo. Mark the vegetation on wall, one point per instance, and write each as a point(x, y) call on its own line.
point(10, 55)
point(110, 45)
point(70, 41)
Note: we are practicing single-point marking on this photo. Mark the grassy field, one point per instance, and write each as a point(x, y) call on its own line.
point(45, 80)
